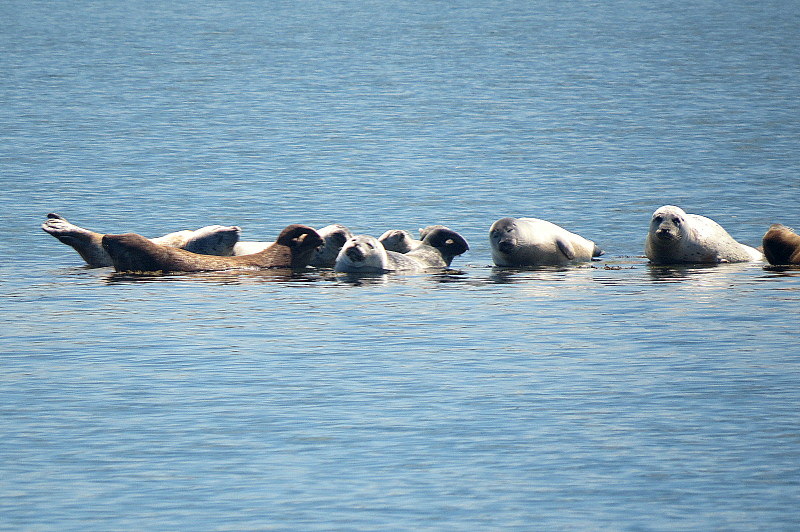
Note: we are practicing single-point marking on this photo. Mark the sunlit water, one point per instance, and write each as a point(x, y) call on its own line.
point(613, 395)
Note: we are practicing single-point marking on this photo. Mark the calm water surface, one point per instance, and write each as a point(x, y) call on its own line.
point(613, 395)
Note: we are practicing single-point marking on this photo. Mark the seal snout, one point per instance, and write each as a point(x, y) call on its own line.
point(665, 234)
point(506, 246)
point(354, 253)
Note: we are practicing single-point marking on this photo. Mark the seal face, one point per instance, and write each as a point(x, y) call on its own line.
point(781, 246)
point(130, 252)
point(334, 237)
point(676, 237)
point(399, 240)
point(362, 254)
point(534, 242)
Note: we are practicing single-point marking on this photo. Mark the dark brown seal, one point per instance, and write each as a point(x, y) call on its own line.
point(781, 245)
point(130, 252)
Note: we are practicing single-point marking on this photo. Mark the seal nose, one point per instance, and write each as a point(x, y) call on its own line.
point(505, 246)
point(355, 254)
point(664, 234)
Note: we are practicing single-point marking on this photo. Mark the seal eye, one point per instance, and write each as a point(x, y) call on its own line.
point(658, 219)
point(676, 221)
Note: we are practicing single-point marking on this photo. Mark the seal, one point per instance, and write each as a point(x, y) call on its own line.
point(676, 237)
point(209, 240)
point(781, 245)
point(333, 236)
point(366, 254)
point(130, 252)
point(401, 241)
point(533, 242)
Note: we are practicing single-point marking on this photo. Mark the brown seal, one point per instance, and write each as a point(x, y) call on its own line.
point(130, 252)
point(209, 240)
point(781, 245)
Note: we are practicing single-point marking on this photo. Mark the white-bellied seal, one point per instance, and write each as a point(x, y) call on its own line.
point(676, 237)
point(209, 240)
point(365, 254)
point(130, 252)
point(781, 245)
point(401, 241)
point(534, 242)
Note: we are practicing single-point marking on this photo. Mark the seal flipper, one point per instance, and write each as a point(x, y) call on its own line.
point(596, 252)
point(566, 248)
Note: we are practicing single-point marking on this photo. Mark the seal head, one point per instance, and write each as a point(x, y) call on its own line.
point(362, 254)
point(781, 246)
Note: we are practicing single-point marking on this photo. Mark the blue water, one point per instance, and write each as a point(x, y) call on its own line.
point(613, 395)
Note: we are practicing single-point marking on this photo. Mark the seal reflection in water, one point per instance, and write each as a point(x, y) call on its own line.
point(781, 246)
point(366, 254)
point(130, 252)
point(676, 237)
point(535, 242)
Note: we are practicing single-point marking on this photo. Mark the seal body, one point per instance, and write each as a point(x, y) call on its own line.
point(676, 237)
point(130, 252)
point(210, 240)
point(534, 242)
point(781, 246)
point(366, 254)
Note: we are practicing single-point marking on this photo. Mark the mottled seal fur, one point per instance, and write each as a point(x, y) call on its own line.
point(209, 240)
point(781, 246)
point(366, 254)
point(676, 237)
point(533, 242)
point(130, 252)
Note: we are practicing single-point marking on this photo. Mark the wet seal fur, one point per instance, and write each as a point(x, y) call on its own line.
point(533, 242)
point(676, 237)
point(366, 254)
point(209, 240)
point(130, 252)
point(781, 246)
